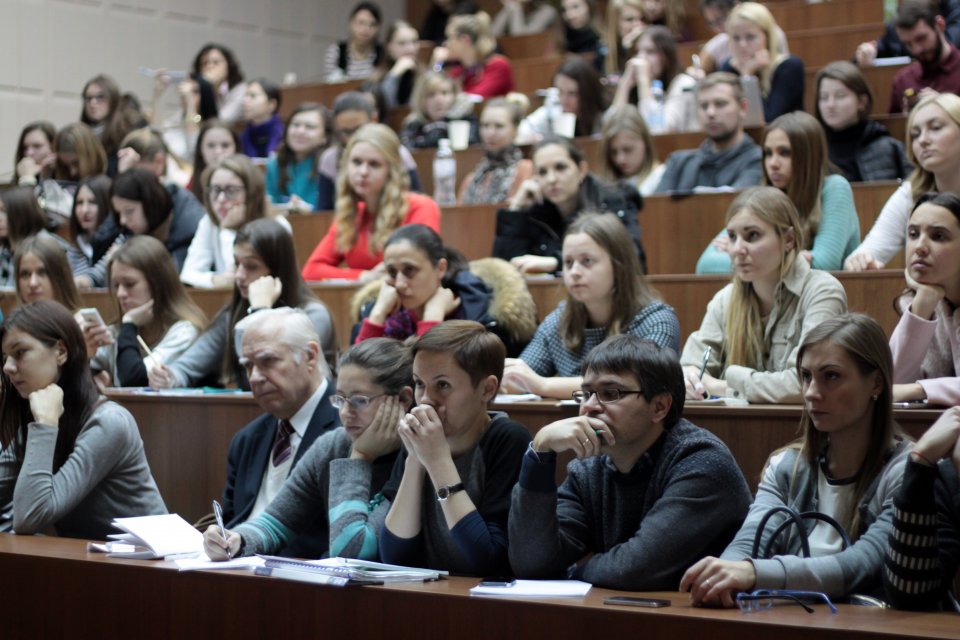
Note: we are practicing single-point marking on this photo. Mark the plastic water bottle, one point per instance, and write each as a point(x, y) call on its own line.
point(445, 175)
point(654, 114)
point(552, 104)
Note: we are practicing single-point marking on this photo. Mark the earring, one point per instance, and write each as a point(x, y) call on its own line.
point(874, 397)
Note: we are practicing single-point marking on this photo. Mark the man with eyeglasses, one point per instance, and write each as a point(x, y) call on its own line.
point(288, 375)
point(648, 492)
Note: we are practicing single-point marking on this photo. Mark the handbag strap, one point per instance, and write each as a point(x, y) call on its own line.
point(792, 517)
point(808, 515)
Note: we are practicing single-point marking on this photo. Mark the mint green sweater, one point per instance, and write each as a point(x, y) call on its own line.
point(837, 236)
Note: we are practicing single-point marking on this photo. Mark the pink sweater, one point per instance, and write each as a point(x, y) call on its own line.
point(928, 352)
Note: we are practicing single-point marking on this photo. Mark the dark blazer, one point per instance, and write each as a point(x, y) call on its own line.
point(250, 453)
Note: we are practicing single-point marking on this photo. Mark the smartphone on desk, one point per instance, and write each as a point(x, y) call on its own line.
point(650, 603)
point(498, 581)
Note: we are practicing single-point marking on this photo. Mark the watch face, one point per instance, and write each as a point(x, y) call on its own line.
point(443, 493)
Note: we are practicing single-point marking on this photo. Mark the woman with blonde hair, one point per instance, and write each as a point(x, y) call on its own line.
point(607, 294)
point(933, 147)
point(373, 200)
point(235, 194)
point(436, 101)
point(796, 161)
point(627, 150)
point(468, 56)
point(846, 466)
point(755, 53)
point(154, 309)
point(753, 326)
point(503, 168)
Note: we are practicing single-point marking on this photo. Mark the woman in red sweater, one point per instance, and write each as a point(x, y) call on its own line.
point(468, 55)
point(372, 202)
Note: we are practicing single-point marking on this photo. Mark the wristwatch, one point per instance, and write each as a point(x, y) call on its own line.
point(445, 492)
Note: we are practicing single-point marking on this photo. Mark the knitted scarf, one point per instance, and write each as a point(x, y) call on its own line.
point(493, 177)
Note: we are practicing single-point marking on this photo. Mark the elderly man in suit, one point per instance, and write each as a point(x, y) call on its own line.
point(289, 378)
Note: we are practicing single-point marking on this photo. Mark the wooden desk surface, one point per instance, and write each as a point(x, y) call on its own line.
point(871, 292)
point(187, 438)
point(63, 591)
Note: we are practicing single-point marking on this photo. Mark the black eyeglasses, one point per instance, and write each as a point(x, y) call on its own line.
point(605, 396)
point(357, 402)
point(763, 599)
point(232, 192)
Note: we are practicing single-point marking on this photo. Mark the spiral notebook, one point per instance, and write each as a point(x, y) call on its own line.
point(350, 570)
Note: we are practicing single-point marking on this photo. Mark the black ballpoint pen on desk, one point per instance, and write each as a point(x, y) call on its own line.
point(218, 514)
point(703, 367)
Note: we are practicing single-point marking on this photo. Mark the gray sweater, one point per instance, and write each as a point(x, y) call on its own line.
point(328, 506)
point(106, 476)
point(738, 167)
point(684, 499)
point(854, 570)
point(203, 359)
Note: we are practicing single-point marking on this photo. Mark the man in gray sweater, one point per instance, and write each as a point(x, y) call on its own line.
point(728, 157)
point(649, 492)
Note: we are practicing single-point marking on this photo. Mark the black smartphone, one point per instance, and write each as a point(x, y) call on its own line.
point(498, 581)
point(651, 603)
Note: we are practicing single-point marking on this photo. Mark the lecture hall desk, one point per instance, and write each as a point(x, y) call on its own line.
point(187, 437)
point(870, 292)
point(63, 591)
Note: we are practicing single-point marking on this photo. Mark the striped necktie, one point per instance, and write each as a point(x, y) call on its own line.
point(282, 449)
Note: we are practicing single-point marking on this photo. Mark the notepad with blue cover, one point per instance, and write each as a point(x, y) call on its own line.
point(345, 571)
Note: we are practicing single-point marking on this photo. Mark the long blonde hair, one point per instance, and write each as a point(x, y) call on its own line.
point(809, 159)
point(743, 336)
point(392, 207)
point(757, 14)
point(921, 180)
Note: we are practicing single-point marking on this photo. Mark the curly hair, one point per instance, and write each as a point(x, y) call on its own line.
point(392, 207)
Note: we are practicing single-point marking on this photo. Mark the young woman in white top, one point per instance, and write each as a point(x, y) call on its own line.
point(235, 193)
point(656, 59)
point(154, 309)
point(933, 147)
point(627, 149)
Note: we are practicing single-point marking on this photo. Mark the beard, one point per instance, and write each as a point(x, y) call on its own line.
point(930, 59)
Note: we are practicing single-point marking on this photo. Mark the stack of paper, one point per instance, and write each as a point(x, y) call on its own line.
point(342, 571)
point(536, 589)
point(147, 537)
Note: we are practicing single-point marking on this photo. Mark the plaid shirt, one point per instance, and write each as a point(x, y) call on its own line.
point(547, 355)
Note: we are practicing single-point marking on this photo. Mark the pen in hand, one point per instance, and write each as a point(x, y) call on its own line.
point(218, 514)
point(703, 367)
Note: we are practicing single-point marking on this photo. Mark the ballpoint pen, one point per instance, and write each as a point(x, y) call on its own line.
point(703, 367)
point(218, 514)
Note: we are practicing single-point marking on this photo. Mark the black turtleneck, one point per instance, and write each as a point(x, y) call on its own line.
point(843, 148)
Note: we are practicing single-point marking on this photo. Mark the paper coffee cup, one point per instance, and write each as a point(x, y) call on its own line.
point(566, 125)
point(459, 133)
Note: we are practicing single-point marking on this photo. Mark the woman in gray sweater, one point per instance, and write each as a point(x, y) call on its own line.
point(848, 464)
point(78, 460)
